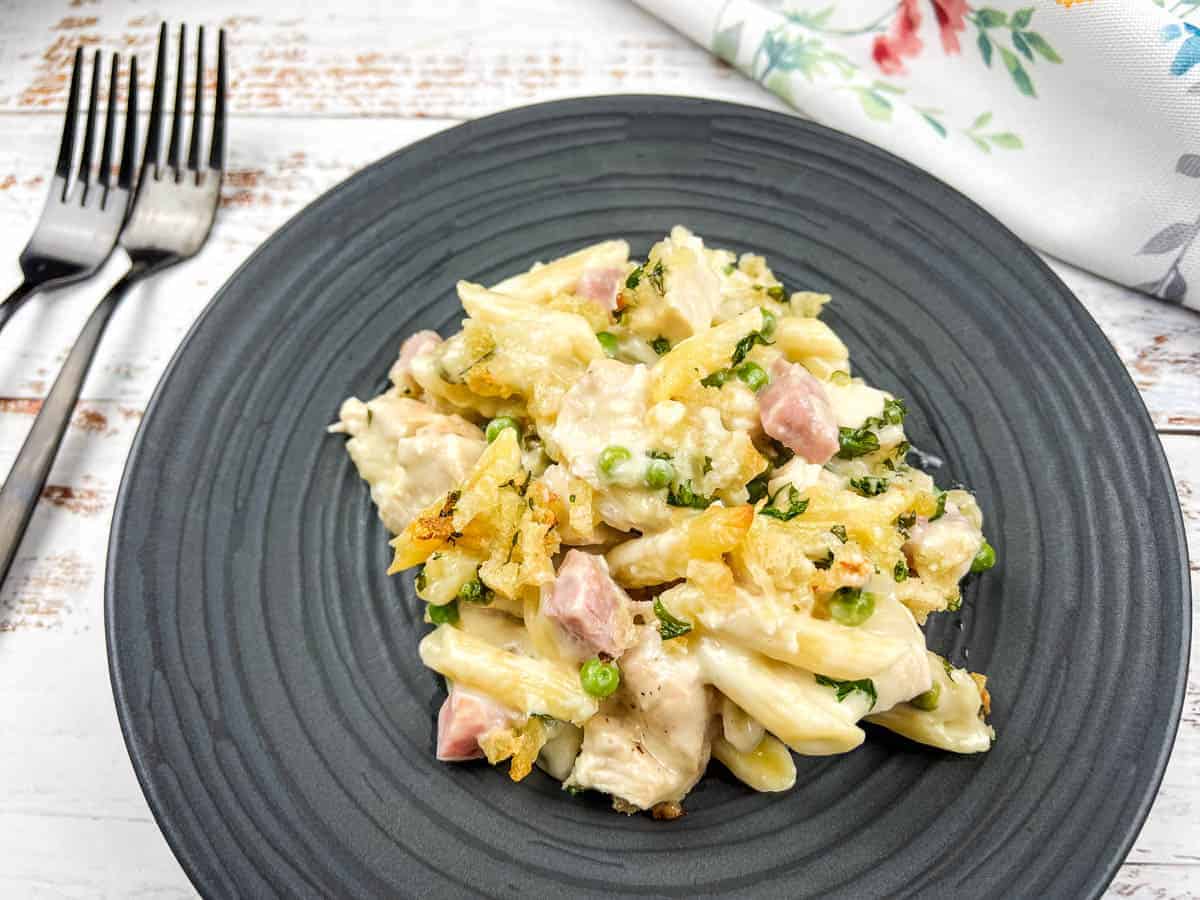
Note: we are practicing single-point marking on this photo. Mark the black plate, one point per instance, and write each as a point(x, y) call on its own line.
point(265, 668)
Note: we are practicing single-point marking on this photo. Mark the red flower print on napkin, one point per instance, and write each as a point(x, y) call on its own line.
point(901, 41)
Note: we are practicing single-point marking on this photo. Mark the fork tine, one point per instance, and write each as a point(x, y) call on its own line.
point(66, 149)
point(153, 151)
point(174, 149)
point(110, 117)
point(216, 158)
point(129, 143)
point(197, 106)
point(89, 130)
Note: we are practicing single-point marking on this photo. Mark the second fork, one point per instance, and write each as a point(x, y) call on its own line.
point(172, 214)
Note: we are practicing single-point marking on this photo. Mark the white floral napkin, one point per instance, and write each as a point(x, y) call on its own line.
point(1076, 122)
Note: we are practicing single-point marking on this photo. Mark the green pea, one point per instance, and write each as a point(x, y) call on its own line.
point(498, 424)
point(984, 559)
point(851, 606)
point(752, 375)
point(768, 325)
point(929, 700)
point(599, 678)
point(446, 614)
point(608, 341)
point(612, 457)
point(659, 473)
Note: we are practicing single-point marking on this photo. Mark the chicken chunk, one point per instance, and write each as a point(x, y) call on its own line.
point(943, 550)
point(464, 719)
point(589, 606)
point(407, 452)
point(651, 741)
point(794, 410)
point(415, 345)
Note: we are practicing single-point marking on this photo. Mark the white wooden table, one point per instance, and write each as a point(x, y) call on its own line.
point(316, 95)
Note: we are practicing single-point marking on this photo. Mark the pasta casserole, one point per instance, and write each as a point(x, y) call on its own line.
point(657, 520)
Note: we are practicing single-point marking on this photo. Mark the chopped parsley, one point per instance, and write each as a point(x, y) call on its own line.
point(776, 292)
point(941, 507)
point(685, 495)
point(949, 668)
point(370, 416)
point(420, 581)
point(746, 344)
point(869, 485)
point(778, 453)
point(905, 522)
point(669, 626)
point(707, 467)
point(635, 278)
point(655, 277)
point(900, 572)
point(658, 454)
point(756, 487)
point(660, 345)
point(717, 378)
point(824, 562)
point(796, 505)
point(854, 442)
point(846, 688)
point(839, 532)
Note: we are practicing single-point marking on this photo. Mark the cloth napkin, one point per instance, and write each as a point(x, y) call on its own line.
point(1076, 122)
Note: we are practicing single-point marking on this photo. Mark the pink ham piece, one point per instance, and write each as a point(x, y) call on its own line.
point(414, 345)
point(464, 718)
point(589, 606)
point(794, 410)
point(601, 284)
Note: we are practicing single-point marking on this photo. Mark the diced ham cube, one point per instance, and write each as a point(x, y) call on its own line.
point(414, 345)
point(464, 718)
point(589, 606)
point(794, 410)
point(601, 284)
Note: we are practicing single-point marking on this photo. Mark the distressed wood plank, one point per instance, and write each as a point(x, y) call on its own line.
point(455, 59)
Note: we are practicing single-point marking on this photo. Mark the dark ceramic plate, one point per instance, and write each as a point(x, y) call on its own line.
point(265, 668)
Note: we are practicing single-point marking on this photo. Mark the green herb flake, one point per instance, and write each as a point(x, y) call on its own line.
point(746, 344)
point(954, 604)
point(668, 626)
point(756, 487)
point(656, 277)
point(659, 454)
point(635, 278)
point(717, 378)
point(846, 688)
point(855, 442)
point(707, 465)
point(447, 509)
point(905, 522)
point(796, 505)
point(869, 485)
point(660, 345)
point(370, 416)
point(777, 293)
point(839, 532)
point(685, 495)
point(826, 562)
point(941, 507)
point(900, 572)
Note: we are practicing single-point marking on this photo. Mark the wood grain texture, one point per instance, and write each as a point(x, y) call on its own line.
point(316, 96)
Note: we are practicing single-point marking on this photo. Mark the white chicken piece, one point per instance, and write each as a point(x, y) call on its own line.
point(691, 292)
point(797, 472)
point(606, 407)
point(419, 344)
point(650, 743)
point(942, 550)
point(407, 452)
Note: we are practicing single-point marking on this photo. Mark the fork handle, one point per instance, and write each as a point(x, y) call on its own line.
point(25, 481)
point(13, 301)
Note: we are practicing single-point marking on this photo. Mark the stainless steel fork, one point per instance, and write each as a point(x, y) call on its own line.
point(80, 222)
point(173, 212)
